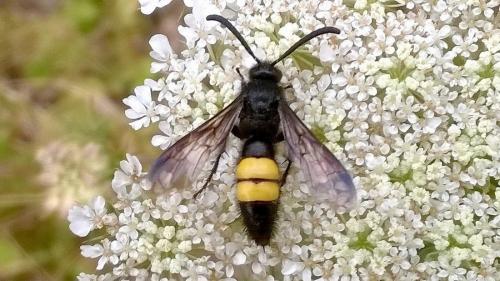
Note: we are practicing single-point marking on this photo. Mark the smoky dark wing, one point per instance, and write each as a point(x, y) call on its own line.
point(329, 180)
point(180, 164)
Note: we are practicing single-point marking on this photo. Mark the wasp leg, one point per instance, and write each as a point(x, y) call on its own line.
point(239, 73)
point(285, 174)
point(212, 172)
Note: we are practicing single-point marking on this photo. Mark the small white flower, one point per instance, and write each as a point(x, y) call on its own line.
point(360, 4)
point(465, 46)
point(84, 219)
point(161, 52)
point(431, 125)
point(326, 53)
point(163, 141)
point(475, 202)
point(93, 277)
point(142, 108)
point(129, 181)
point(101, 251)
point(172, 207)
point(86, 277)
point(129, 225)
point(148, 6)
point(198, 28)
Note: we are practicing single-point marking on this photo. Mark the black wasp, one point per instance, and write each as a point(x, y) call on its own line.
point(261, 117)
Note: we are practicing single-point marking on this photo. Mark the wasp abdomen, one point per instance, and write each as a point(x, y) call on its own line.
point(259, 218)
point(258, 189)
point(257, 179)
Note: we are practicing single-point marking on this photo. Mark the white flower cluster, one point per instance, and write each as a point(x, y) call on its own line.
point(407, 97)
point(69, 172)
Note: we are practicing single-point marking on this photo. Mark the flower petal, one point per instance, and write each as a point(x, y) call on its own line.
point(160, 44)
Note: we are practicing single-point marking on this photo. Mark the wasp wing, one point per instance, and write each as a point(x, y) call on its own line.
point(181, 163)
point(329, 180)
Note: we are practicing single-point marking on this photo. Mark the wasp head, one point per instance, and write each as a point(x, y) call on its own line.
point(265, 71)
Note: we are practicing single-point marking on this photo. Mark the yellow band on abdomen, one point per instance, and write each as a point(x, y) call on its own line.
point(257, 168)
point(257, 191)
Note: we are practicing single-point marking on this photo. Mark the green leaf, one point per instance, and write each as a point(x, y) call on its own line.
point(428, 252)
point(305, 60)
point(216, 51)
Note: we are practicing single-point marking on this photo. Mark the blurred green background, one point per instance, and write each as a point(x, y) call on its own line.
point(65, 66)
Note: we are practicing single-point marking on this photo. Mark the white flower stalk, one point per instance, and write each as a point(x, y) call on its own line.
point(407, 97)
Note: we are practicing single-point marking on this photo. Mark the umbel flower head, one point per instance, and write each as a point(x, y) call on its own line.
point(69, 172)
point(407, 97)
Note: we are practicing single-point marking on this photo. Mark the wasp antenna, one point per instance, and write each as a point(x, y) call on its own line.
point(303, 40)
point(233, 30)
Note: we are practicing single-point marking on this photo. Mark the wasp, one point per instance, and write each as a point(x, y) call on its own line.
point(261, 117)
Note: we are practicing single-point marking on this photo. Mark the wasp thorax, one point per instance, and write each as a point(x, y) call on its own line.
point(265, 71)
